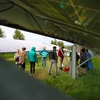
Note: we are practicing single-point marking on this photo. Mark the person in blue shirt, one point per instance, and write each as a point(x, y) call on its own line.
point(32, 58)
point(44, 54)
point(89, 62)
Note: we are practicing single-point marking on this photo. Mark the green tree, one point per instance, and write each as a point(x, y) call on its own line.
point(18, 35)
point(68, 47)
point(58, 43)
point(2, 33)
point(53, 42)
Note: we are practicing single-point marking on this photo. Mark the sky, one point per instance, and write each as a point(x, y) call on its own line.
point(30, 36)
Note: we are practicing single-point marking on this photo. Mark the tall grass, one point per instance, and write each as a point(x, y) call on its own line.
point(82, 88)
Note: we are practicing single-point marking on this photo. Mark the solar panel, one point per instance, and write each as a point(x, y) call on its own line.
point(75, 21)
point(11, 45)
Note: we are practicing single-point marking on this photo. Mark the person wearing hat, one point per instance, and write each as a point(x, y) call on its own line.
point(23, 56)
point(53, 60)
point(32, 58)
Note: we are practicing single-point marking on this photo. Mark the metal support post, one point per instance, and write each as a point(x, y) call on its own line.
point(73, 71)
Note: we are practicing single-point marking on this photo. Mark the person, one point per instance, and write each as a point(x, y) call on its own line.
point(44, 54)
point(77, 59)
point(23, 56)
point(53, 60)
point(89, 62)
point(32, 58)
point(77, 68)
point(83, 57)
point(61, 56)
point(70, 55)
point(17, 58)
point(70, 70)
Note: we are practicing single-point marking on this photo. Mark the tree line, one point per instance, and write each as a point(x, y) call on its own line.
point(17, 35)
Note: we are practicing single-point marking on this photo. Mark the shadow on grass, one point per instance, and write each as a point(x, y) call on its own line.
point(82, 88)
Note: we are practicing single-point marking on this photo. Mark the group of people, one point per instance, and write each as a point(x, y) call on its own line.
point(84, 60)
point(21, 56)
point(85, 55)
point(53, 57)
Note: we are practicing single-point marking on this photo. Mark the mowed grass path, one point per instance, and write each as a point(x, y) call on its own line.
point(82, 88)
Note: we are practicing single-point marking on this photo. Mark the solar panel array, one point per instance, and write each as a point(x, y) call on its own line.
point(75, 21)
point(11, 45)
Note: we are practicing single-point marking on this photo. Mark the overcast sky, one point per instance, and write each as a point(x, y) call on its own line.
point(29, 36)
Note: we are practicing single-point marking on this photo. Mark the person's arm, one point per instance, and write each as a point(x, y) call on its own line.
point(59, 52)
point(25, 55)
point(28, 56)
point(89, 55)
point(15, 55)
point(40, 52)
point(57, 59)
point(47, 52)
point(36, 58)
point(55, 56)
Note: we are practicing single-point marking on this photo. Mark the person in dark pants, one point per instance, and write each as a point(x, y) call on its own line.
point(32, 57)
point(83, 58)
point(77, 59)
point(23, 56)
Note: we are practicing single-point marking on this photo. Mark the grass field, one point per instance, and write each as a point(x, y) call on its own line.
point(82, 88)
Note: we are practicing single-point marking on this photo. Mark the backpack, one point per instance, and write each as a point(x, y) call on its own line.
point(51, 55)
point(83, 57)
point(17, 59)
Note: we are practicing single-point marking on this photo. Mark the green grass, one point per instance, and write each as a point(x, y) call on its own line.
point(82, 88)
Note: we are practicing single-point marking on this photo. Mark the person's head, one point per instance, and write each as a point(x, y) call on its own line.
point(83, 50)
point(86, 50)
point(23, 48)
point(33, 48)
point(18, 50)
point(54, 48)
point(44, 48)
